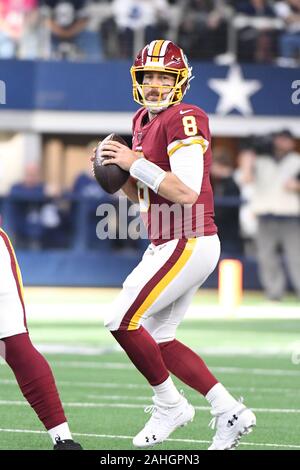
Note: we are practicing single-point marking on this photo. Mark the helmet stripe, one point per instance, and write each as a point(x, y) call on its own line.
point(157, 49)
point(150, 48)
point(144, 55)
point(162, 52)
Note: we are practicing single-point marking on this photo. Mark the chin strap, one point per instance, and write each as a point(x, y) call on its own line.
point(153, 110)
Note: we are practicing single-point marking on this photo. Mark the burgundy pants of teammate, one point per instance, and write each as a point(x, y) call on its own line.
point(35, 379)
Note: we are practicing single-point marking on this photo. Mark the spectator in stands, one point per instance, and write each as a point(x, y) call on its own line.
point(17, 22)
point(30, 41)
point(67, 22)
point(255, 7)
point(203, 29)
point(227, 195)
point(277, 205)
point(289, 41)
point(85, 185)
point(247, 218)
point(38, 222)
point(139, 22)
point(256, 45)
point(294, 184)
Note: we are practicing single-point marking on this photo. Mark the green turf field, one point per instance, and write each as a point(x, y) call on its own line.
point(104, 396)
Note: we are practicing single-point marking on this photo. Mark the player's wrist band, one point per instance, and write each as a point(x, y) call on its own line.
point(148, 173)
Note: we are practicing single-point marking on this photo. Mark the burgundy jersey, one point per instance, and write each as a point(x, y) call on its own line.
point(177, 126)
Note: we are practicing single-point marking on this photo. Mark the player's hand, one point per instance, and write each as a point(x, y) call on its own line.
point(93, 157)
point(119, 155)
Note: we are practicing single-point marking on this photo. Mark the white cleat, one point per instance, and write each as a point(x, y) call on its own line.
point(231, 426)
point(164, 420)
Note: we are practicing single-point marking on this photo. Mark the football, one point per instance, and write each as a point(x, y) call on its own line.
point(110, 177)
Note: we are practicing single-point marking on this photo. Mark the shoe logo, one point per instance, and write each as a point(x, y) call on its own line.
point(57, 439)
point(183, 111)
point(153, 438)
point(230, 422)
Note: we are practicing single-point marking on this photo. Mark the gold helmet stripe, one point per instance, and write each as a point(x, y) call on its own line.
point(156, 50)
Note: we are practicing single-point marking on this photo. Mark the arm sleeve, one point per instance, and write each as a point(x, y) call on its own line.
point(187, 164)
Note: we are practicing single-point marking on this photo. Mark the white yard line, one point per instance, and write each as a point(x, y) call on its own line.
point(291, 350)
point(88, 384)
point(269, 372)
point(225, 370)
point(132, 405)
point(120, 386)
point(135, 398)
point(124, 366)
point(95, 312)
point(208, 351)
point(80, 350)
point(112, 436)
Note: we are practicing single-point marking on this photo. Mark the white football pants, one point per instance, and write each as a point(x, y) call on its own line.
point(157, 293)
point(12, 310)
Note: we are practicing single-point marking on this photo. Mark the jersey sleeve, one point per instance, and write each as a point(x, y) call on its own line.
point(134, 119)
point(186, 128)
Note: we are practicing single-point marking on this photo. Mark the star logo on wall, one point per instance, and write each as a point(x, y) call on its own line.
point(234, 92)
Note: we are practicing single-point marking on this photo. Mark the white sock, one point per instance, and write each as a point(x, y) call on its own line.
point(220, 399)
point(167, 392)
point(60, 432)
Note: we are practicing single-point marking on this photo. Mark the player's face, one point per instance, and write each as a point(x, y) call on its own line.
point(157, 85)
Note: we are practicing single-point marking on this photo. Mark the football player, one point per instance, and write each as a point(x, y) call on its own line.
point(31, 370)
point(169, 167)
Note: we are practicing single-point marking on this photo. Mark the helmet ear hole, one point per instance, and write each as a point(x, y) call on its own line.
point(139, 76)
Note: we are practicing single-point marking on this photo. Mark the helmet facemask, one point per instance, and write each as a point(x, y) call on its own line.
point(174, 96)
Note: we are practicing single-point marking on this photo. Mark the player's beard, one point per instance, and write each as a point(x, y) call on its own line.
point(153, 109)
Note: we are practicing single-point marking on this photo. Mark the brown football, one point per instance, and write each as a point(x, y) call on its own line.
point(110, 177)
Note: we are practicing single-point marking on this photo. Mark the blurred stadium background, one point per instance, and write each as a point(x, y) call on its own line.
point(59, 94)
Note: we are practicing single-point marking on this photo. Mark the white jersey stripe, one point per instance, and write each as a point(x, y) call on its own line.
point(151, 47)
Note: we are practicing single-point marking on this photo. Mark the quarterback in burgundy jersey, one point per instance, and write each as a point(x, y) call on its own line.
point(178, 126)
point(169, 167)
